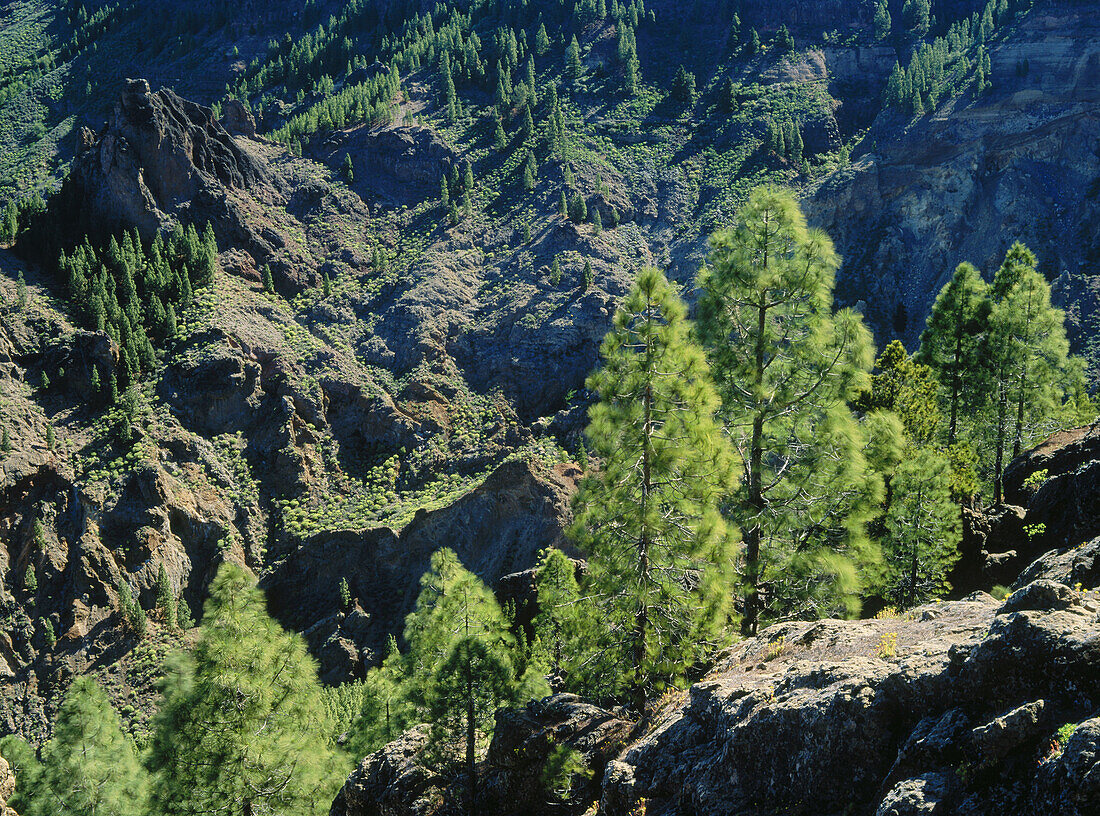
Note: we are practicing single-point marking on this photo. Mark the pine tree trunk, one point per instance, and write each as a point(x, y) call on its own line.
point(952, 429)
point(641, 619)
point(754, 533)
point(471, 768)
point(998, 466)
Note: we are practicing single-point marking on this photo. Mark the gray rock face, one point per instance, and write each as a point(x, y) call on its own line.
point(157, 155)
point(835, 723)
point(964, 182)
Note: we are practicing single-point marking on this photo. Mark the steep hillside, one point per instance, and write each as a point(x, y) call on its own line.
point(370, 371)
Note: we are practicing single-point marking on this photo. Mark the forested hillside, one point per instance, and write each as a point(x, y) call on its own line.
point(481, 398)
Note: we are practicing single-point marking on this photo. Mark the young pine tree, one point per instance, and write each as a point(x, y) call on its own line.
point(90, 766)
point(660, 557)
point(786, 367)
point(166, 600)
point(952, 344)
point(238, 729)
point(557, 623)
point(460, 663)
point(1029, 358)
point(574, 70)
point(922, 529)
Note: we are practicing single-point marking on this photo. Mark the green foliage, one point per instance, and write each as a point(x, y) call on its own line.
point(587, 276)
point(784, 42)
point(385, 709)
point(915, 17)
point(557, 624)
point(90, 766)
point(563, 766)
point(907, 388)
point(30, 579)
point(24, 764)
point(348, 169)
point(786, 367)
point(166, 599)
point(20, 292)
point(345, 594)
point(463, 662)
point(241, 716)
point(1028, 358)
point(683, 87)
point(922, 529)
point(132, 292)
point(951, 343)
point(660, 557)
point(266, 280)
point(133, 616)
point(882, 20)
point(555, 271)
point(574, 70)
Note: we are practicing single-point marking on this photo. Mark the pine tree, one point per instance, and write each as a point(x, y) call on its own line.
point(460, 662)
point(499, 140)
point(882, 20)
point(1028, 356)
point(267, 280)
point(659, 555)
point(908, 389)
point(951, 343)
point(922, 529)
point(784, 42)
point(166, 600)
point(563, 205)
point(24, 764)
point(326, 284)
point(90, 766)
point(557, 625)
point(587, 276)
point(915, 17)
point(30, 579)
point(5, 440)
point(20, 292)
point(574, 70)
point(49, 437)
point(542, 40)
point(786, 367)
point(238, 729)
point(683, 87)
point(349, 169)
point(345, 595)
point(468, 178)
point(386, 710)
point(555, 275)
point(9, 227)
point(753, 45)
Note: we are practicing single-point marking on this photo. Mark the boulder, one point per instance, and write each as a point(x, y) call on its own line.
point(392, 782)
point(523, 741)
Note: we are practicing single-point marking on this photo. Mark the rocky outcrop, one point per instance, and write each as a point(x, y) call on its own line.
point(950, 709)
point(392, 781)
point(158, 157)
point(398, 163)
point(968, 707)
point(1059, 483)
